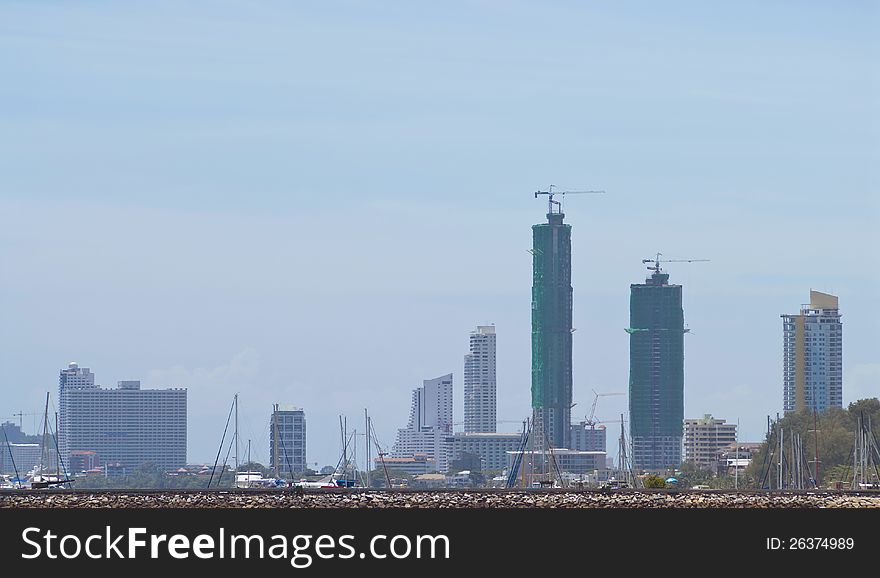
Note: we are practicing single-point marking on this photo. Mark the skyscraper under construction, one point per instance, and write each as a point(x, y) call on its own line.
point(551, 328)
point(656, 372)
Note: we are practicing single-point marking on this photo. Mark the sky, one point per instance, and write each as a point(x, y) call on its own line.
point(315, 203)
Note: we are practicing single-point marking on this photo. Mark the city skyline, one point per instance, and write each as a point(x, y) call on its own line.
point(242, 204)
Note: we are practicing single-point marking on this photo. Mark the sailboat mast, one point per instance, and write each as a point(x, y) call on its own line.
point(816, 441)
point(236, 433)
point(57, 453)
point(736, 463)
point(367, 444)
point(275, 436)
point(344, 446)
point(780, 483)
point(45, 444)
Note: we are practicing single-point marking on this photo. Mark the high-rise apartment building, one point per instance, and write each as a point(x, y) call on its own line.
point(127, 425)
point(813, 356)
point(479, 382)
point(429, 430)
point(551, 328)
point(656, 372)
point(287, 441)
point(704, 438)
point(75, 376)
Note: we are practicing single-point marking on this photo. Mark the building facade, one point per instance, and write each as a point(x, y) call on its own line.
point(415, 465)
point(492, 448)
point(813, 356)
point(287, 441)
point(75, 376)
point(127, 425)
point(21, 456)
point(586, 437)
point(479, 382)
point(568, 461)
point(13, 433)
point(429, 429)
point(83, 461)
point(704, 438)
point(656, 372)
point(551, 329)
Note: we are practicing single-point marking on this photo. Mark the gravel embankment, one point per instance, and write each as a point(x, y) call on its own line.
point(436, 499)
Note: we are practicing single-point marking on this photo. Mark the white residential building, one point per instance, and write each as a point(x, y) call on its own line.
point(127, 425)
point(75, 376)
point(22, 457)
point(492, 448)
point(704, 438)
point(479, 382)
point(429, 430)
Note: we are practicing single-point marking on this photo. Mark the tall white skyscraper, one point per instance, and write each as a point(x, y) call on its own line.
point(429, 430)
point(813, 356)
point(479, 382)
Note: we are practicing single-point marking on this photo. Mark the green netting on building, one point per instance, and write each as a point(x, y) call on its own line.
point(656, 381)
point(551, 324)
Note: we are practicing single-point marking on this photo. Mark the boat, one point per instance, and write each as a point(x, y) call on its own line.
point(41, 477)
point(254, 479)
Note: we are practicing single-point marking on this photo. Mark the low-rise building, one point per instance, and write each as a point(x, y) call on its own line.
point(568, 461)
point(429, 481)
point(21, 457)
point(414, 466)
point(588, 437)
point(704, 438)
point(83, 460)
point(735, 457)
point(492, 448)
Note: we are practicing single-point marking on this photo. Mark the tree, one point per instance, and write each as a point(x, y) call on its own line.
point(842, 473)
point(691, 474)
point(836, 428)
point(377, 477)
point(254, 467)
point(652, 481)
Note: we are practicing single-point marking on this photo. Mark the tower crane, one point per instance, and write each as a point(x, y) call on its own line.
point(623, 421)
point(550, 193)
point(20, 415)
point(590, 421)
point(657, 260)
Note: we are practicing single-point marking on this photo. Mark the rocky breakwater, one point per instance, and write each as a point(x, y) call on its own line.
point(435, 499)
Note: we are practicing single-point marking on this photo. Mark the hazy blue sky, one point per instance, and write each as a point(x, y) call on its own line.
point(315, 204)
